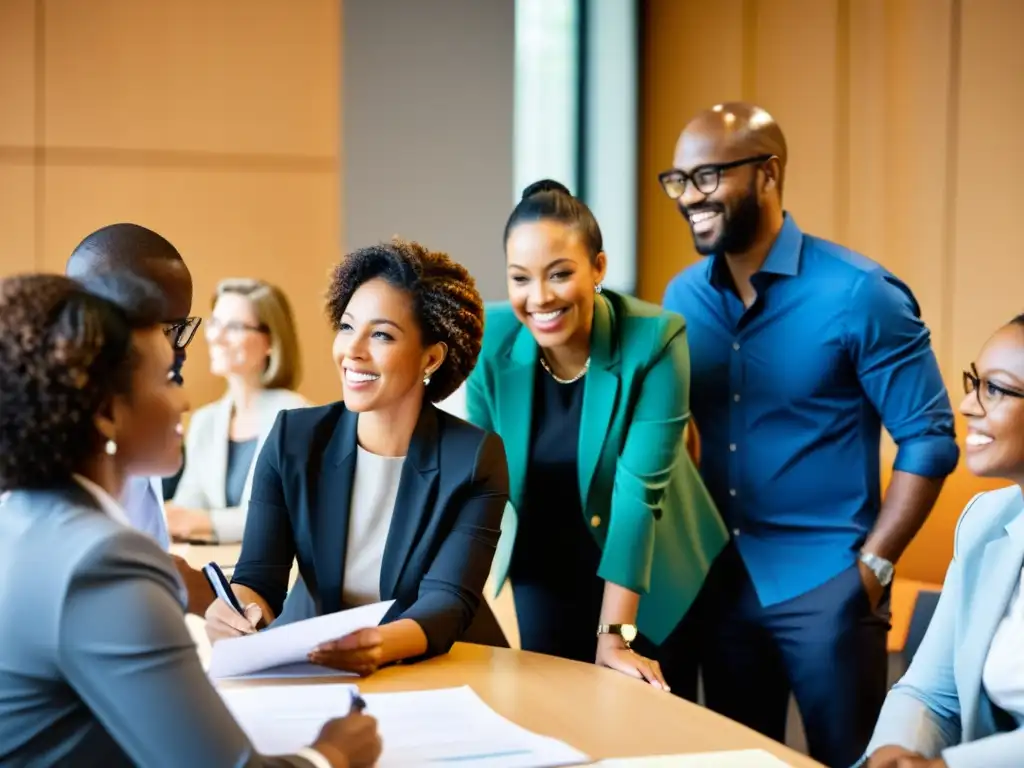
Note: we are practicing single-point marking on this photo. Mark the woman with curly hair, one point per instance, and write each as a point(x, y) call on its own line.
point(381, 496)
point(98, 667)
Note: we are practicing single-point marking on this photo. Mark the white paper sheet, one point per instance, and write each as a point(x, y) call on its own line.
point(419, 728)
point(744, 758)
point(289, 644)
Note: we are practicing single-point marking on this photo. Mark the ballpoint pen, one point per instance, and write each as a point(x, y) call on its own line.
point(358, 702)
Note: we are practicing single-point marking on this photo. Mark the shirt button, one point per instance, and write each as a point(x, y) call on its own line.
point(732, 446)
point(735, 531)
point(732, 491)
point(595, 521)
point(736, 346)
point(735, 398)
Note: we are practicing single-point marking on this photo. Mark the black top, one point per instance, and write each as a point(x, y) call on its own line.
point(442, 537)
point(240, 456)
point(554, 547)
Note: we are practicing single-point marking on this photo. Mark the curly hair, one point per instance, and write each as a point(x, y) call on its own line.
point(64, 353)
point(445, 300)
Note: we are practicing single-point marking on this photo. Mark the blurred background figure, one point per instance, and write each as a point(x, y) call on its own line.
point(254, 347)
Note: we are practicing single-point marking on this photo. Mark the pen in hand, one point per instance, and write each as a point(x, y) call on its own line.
point(358, 702)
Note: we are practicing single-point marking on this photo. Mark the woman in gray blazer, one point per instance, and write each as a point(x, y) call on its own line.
point(254, 347)
point(961, 703)
point(97, 667)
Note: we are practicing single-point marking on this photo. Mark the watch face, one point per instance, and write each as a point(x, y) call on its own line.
point(628, 632)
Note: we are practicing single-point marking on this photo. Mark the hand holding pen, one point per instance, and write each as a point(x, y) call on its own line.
point(352, 740)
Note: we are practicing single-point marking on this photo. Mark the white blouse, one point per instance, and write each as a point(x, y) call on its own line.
point(1003, 676)
point(370, 511)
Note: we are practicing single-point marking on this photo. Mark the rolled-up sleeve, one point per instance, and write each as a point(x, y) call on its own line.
point(900, 375)
point(652, 449)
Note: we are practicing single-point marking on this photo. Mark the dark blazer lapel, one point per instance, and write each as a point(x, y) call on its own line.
point(414, 502)
point(514, 400)
point(329, 523)
point(600, 394)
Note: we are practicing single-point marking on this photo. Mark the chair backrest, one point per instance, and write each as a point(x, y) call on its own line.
point(920, 618)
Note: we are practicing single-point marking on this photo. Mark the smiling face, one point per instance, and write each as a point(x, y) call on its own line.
point(552, 281)
point(238, 341)
point(379, 349)
point(995, 411)
point(146, 423)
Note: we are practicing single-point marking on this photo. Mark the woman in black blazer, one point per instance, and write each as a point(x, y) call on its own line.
point(382, 496)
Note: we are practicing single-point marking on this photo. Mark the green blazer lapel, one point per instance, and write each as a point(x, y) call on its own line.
point(600, 394)
point(514, 384)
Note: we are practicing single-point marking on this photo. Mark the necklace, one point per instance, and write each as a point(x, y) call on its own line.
point(577, 377)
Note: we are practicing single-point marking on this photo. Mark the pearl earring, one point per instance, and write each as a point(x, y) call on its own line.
point(426, 378)
point(110, 447)
point(598, 288)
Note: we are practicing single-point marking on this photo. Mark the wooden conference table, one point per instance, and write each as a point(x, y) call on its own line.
point(600, 712)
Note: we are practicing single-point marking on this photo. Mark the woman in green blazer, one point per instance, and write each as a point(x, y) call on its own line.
point(609, 529)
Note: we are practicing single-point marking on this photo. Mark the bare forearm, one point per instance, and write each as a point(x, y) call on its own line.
point(619, 605)
point(908, 502)
point(246, 596)
point(402, 639)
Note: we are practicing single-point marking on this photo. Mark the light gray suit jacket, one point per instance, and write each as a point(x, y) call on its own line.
point(203, 483)
point(97, 667)
point(940, 705)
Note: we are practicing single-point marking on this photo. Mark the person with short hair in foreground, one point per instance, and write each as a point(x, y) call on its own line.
point(381, 496)
point(961, 703)
point(98, 667)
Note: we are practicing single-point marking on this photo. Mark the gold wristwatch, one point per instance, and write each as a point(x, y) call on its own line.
point(626, 631)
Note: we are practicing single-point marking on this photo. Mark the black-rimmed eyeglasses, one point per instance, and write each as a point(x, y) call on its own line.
point(705, 178)
point(181, 332)
point(989, 393)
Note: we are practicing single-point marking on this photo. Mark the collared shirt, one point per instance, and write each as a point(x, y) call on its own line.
point(143, 502)
point(789, 397)
point(108, 505)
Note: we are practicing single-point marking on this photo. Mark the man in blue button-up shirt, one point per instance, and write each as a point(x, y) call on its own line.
point(800, 351)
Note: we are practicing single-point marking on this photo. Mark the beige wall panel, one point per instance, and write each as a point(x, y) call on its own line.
point(17, 73)
point(989, 260)
point(244, 76)
point(692, 59)
point(281, 227)
point(796, 44)
point(17, 220)
point(919, 153)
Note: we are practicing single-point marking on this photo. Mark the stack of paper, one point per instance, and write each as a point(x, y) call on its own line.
point(745, 758)
point(419, 728)
point(283, 651)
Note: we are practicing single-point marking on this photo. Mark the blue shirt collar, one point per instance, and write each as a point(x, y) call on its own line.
point(783, 258)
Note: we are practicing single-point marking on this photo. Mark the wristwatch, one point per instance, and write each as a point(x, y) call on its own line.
point(626, 631)
point(881, 567)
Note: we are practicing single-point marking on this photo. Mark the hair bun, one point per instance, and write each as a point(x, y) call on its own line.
point(545, 185)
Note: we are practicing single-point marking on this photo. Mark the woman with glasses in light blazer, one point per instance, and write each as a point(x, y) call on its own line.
point(254, 346)
point(961, 703)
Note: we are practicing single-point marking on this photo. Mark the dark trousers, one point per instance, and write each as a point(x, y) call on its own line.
point(826, 646)
point(564, 624)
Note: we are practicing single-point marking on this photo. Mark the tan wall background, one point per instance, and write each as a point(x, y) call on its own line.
point(902, 118)
point(213, 122)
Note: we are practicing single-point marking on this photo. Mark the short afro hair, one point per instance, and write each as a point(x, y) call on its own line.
point(64, 352)
point(445, 302)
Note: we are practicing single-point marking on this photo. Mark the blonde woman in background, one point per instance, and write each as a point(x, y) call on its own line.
point(254, 346)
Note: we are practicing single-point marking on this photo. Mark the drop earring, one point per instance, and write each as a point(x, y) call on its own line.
point(110, 447)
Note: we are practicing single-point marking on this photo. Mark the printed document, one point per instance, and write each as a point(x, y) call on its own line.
point(419, 728)
point(284, 651)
